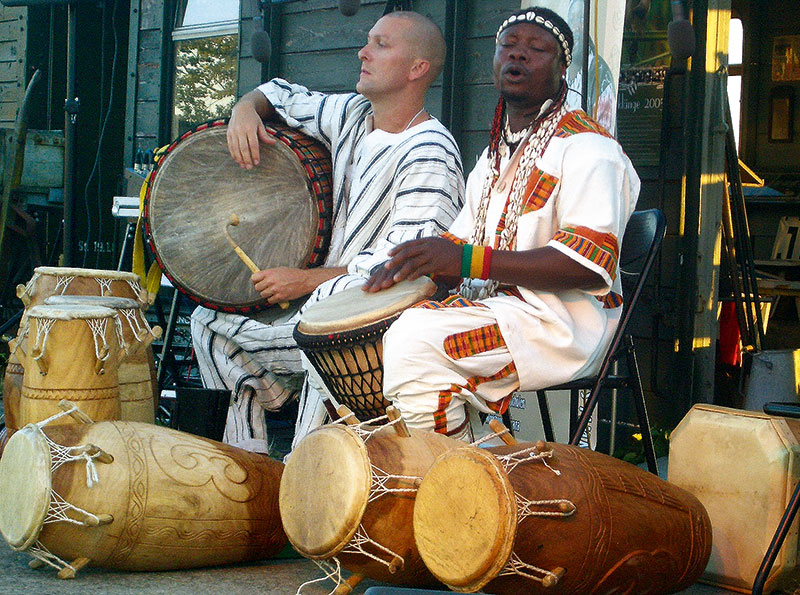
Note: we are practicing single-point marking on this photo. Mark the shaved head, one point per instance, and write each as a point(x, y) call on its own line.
point(426, 39)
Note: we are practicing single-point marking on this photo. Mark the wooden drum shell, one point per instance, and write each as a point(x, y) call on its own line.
point(630, 532)
point(177, 500)
point(70, 357)
point(310, 489)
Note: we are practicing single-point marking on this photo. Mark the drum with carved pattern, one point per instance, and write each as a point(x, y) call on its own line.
point(555, 518)
point(134, 496)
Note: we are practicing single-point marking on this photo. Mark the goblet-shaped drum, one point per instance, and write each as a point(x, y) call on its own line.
point(134, 496)
point(72, 352)
point(348, 493)
point(342, 336)
point(554, 518)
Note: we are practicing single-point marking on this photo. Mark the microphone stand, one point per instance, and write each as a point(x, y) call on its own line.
point(71, 108)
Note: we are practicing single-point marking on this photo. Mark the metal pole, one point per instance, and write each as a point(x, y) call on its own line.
point(71, 105)
point(587, 15)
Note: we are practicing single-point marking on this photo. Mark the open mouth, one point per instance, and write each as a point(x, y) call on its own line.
point(514, 72)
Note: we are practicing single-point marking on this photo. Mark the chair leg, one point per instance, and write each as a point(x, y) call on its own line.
point(507, 421)
point(544, 412)
point(777, 541)
point(635, 384)
point(574, 404)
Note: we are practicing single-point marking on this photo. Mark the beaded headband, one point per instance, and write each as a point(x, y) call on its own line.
point(532, 17)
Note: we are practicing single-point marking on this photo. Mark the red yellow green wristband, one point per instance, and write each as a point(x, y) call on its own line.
point(476, 261)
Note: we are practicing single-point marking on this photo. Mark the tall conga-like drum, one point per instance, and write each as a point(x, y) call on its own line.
point(48, 281)
point(134, 496)
point(553, 518)
point(12, 391)
point(348, 493)
point(201, 209)
point(342, 336)
point(138, 393)
point(72, 352)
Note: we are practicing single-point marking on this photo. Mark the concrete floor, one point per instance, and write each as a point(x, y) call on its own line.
point(280, 577)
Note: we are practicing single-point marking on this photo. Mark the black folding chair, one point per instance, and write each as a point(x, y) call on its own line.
point(640, 244)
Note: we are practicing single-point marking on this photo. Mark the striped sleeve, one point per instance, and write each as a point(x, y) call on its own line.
point(426, 194)
point(318, 115)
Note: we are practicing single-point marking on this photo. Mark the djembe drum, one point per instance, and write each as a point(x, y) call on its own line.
point(199, 202)
point(72, 352)
point(134, 496)
point(347, 494)
point(342, 336)
point(138, 391)
point(554, 518)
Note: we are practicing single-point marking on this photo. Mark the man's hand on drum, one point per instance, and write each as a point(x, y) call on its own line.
point(409, 260)
point(281, 284)
point(245, 131)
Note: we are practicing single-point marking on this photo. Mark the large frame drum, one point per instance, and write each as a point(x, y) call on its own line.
point(348, 493)
point(72, 352)
point(342, 336)
point(134, 496)
point(283, 209)
point(555, 518)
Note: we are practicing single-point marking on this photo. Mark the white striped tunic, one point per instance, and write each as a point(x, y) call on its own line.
point(387, 188)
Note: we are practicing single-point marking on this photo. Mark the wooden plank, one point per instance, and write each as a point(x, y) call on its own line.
point(147, 118)
point(151, 14)
point(8, 113)
point(486, 17)
point(148, 85)
point(12, 29)
point(479, 54)
point(10, 71)
point(334, 71)
point(12, 13)
point(11, 50)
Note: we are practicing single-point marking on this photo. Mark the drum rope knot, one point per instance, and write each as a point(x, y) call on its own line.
point(42, 333)
point(334, 574)
point(364, 429)
point(517, 566)
point(361, 538)
point(380, 480)
point(61, 282)
point(511, 460)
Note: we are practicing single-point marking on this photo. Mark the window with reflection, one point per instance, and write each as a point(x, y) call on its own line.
point(206, 42)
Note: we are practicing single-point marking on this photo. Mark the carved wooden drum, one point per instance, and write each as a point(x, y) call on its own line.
point(12, 391)
point(47, 281)
point(72, 352)
point(553, 518)
point(342, 336)
point(348, 493)
point(283, 207)
point(134, 496)
point(138, 391)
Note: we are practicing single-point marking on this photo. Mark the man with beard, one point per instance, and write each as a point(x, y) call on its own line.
point(535, 249)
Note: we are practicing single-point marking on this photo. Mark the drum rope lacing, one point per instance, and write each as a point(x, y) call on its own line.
point(58, 506)
point(133, 322)
point(334, 574)
point(62, 282)
point(559, 507)
point(42, 333)
point(99, 326)
point(361, 538)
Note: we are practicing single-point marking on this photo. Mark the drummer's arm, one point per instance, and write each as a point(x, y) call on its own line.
point(246, 128)
point(283, 284)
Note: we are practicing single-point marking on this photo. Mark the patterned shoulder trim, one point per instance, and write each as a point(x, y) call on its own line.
point(579, 121)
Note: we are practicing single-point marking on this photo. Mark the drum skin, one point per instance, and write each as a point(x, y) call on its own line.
point(178, 500)
point(631, 532)
point(69, 355)
point(283, 207)
point(325, 490)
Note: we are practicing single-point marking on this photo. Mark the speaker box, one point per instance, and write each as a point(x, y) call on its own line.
point(743, 467)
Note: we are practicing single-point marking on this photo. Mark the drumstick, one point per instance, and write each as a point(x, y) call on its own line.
point(400, 427)
point(498, 428)
point(234, 220)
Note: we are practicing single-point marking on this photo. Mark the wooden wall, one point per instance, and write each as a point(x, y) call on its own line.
point(13, 35)
point(317, 48)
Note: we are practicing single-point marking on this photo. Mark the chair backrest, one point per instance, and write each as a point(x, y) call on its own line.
point(640, 245)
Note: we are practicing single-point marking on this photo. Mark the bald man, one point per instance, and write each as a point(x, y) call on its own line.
point(397, 176)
